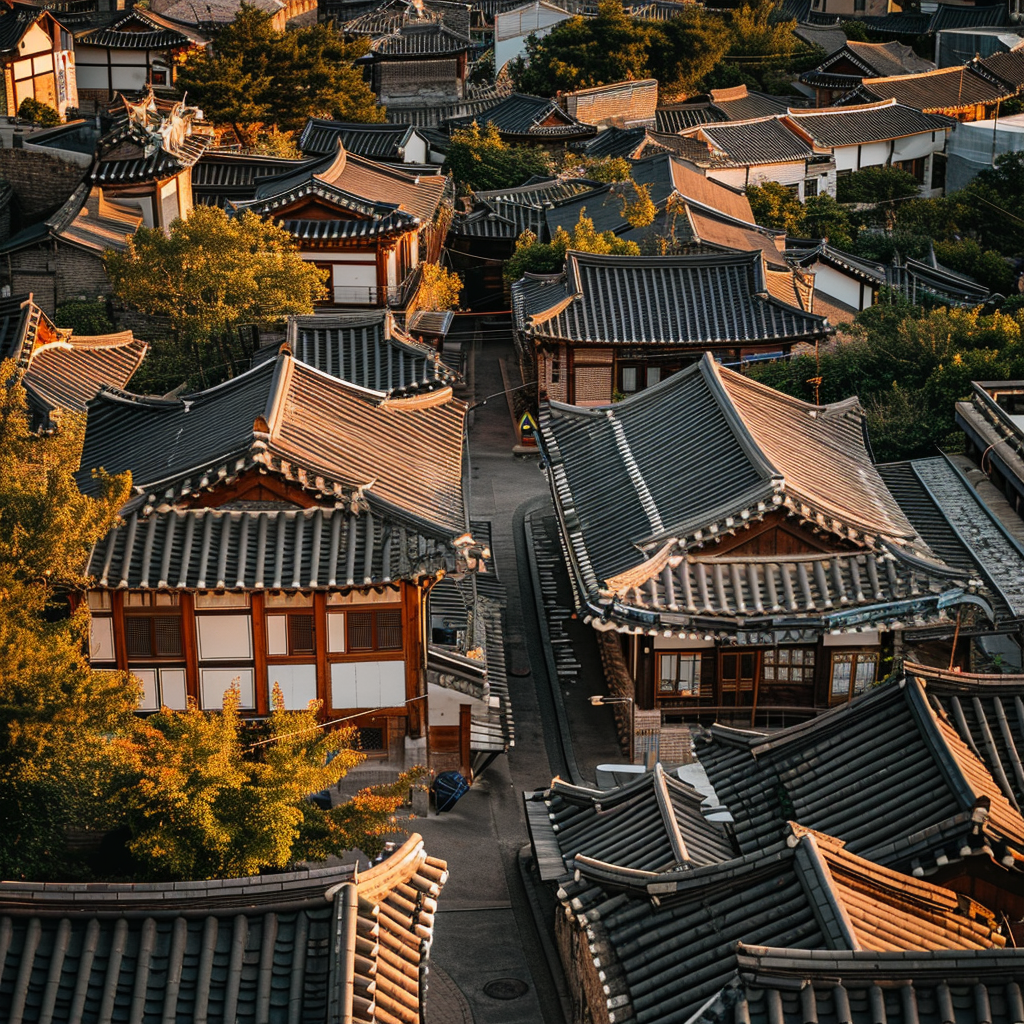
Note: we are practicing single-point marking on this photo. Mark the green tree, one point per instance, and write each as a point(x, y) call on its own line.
point(774, 206)
point(684, 50)
point(881, 187)
point(823, 217)
point(534, 257)
point(55, 712)
point(757, 33)
point(583, 52)
point(39, 113)
point(440, 287)
point(212, 272)
point(257, 76)
point(479, 160)
point(84, 317)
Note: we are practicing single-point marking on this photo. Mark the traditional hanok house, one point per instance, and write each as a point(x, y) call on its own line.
point(421, 64)
point(524, 119)
point(387, 143)
point(845, 68)
point(736, 103)
point(653, 901)
point(137, 51)
point(388, 17)
point(992, 419)
point(62, 371)
point(766, 578)
point(141, 176)
point(967, 93)
point(744, 153)
point(219, 178)
point(609, 326)
point(851, 283)
point(368, 225)
point(320, 945)
point(286, 528)
point(38, 58)
point(923, 803)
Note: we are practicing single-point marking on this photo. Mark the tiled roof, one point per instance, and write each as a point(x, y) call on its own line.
point(933, 489)
point(383, 190)
point(615, 142)
point(985, 710)
point(764, 141)
point(677, 300)
point(735, 104)
point(374, 141)
point(393, 14)
point(66, 374)
point(520, 115)
point(680, 117)
point(476, 103)
point(15, 21)
point(219, 177)
point(141, 30)
point(369, 350)
point(792, 986)
point(943, 89)
point(1008, 67)
point(946, 16)
point(869, 60)
point(263, 949)
point(91, 221)
point(807, 252)
point(331, 437)
point(241, 549)
point(665, 942)
point(831, 127)
point(432, 39)
point(654, 823)
point(739, 450)
point(920, 800)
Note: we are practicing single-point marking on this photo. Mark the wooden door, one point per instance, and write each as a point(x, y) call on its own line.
point(737, 671)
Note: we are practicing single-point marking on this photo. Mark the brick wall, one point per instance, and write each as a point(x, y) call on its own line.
point(41, 183)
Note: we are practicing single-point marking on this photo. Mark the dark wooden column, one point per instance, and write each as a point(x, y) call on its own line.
point(259, 652)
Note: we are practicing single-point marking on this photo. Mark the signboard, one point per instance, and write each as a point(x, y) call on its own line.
point(527, 426)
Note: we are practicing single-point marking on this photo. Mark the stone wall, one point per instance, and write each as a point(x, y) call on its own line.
point(41, 182)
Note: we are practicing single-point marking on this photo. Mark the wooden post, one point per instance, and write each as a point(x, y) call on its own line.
point(323, 669)
point(187, 602)
point(261, 680)
point(413, 599)
point(120, 647)
point(465, 732)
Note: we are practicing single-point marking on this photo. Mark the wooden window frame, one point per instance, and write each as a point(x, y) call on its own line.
point(288, 614)
point(779, 659)
point(374, 612)
point(855, 657)
point(695, 690)
point(152, 611)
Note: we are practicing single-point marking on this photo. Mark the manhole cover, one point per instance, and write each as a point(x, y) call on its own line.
point(506, 988)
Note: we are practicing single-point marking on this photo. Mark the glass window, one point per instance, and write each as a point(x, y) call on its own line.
point(628, 379)
point(679, 672)
point(653, 375)
point(859, 668)
point(810, 188)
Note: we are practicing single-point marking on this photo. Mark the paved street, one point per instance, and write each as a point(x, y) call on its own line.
point(486, 930)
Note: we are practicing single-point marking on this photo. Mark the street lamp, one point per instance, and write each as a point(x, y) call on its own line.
point(598, 700)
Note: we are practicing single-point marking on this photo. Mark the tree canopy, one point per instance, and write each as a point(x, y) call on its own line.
point(532, 256)
point(479, 159)
point(208, 274)
point(258, 76)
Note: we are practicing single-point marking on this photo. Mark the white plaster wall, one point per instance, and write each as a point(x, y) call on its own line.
point(367, 684)
point(444, 704)
point(831, 283)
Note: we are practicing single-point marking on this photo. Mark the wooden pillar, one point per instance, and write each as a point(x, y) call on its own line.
point(323, 669)
point(189, 644)
point(120, 647)
point(259, 652)
point(465, 732)
point(413, 598)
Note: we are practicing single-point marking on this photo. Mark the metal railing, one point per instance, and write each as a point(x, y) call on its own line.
point(363, 295)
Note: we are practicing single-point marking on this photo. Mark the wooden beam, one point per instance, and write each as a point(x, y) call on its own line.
point(189, 647)
point(259, 652)
point(323, 669)
point(465, 727)
point(120, 646)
